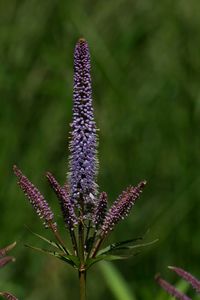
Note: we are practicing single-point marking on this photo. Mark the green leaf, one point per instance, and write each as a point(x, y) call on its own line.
point(92, 261)
point(66, 258)
point(129, 251)
point(118, 251)
point(50, 242)
point(117, 244)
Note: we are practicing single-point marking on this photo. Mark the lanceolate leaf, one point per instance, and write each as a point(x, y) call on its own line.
point(66, 258)
point(92, 261)
point(123, 250)
point(118, 251)
point(50, 242)
point(118, 244)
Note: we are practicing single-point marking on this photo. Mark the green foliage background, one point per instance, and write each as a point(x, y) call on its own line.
point(146, 87)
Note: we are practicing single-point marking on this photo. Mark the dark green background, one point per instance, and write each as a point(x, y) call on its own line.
point(146, 89)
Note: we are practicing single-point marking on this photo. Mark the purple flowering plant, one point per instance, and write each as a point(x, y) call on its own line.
point(85, 210)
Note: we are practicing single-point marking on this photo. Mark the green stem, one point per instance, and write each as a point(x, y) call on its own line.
point(74, 242)
point(96, 247)
point(92, 242)
point(88, 232)
point(81, 242)
point(82, 284)
point(58, 237)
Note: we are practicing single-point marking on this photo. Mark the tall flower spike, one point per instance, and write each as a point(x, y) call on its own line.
point(170, 289)
point(188, 277)
point(83, 145)
point(64, 199)
point(121, 207)
point(100, 211)
point(36, 199)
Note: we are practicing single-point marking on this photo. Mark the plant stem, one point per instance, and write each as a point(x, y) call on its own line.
point(88, 232)
point(81, 241)
point(96, 247)
point(58, 237)
point(82, 284)
point(74, 242)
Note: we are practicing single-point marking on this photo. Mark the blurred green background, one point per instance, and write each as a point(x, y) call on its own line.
point(146, 89)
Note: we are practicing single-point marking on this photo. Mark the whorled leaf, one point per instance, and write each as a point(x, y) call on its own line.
point(122, 249)
point(70, 259)
point(92, 261)
point(118, 251)
point(118, 244)
point(50, 242)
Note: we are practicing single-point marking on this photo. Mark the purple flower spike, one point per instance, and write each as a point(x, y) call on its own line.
point(64, 198)
point(100, 212)
point(188, 277)
point(121, 207)
point(83, 145)
point(170, 289)
point(36, 199)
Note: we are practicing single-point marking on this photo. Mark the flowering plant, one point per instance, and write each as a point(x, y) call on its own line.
point(84, 209)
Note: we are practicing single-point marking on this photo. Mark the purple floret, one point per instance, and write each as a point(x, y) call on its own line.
point(83, 143)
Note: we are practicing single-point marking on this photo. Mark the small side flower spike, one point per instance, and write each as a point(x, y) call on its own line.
point(195, 283)
point(170, 289)
point(36, 199)
point(100, 211)
point(64, 199)
point(83, 163)
point(121, 207)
